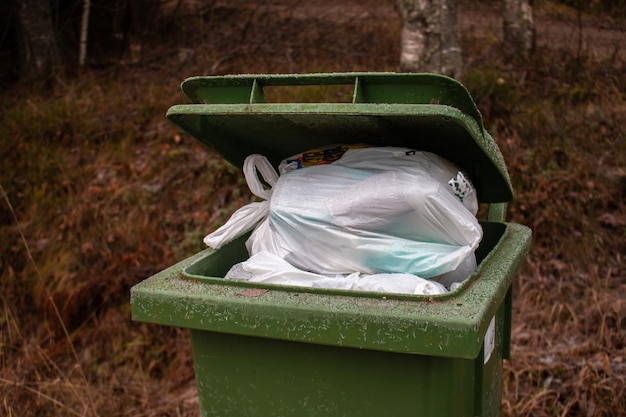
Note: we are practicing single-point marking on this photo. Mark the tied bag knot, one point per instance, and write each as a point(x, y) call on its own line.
point(251, 214)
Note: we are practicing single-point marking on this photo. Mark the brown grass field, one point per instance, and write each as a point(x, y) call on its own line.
point(99, 191)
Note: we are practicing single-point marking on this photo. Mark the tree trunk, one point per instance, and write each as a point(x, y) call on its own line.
point(39, 59)
point(84, 30)
point(430, 41)
point(519, 28)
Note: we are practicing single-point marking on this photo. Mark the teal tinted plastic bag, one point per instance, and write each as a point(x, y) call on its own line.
point(374, 210)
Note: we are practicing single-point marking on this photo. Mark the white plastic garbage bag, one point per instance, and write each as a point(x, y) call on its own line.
point(373, 211)
point(251, 214)
point(267, 268)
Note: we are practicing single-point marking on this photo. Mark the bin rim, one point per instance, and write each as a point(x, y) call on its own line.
point(453, 326)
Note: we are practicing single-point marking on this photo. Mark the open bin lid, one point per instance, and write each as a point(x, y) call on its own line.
point(427, 112)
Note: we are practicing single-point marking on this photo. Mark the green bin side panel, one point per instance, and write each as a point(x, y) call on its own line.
point(247, 376)
point(243, 376)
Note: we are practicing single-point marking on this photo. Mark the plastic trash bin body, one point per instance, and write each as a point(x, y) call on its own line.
point(268, 350)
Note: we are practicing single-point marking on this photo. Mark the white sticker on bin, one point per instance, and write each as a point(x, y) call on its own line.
point(490, 339)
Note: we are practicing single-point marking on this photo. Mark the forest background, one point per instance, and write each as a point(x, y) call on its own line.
point(99, 191)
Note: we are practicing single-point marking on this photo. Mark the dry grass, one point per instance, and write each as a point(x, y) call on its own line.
point(100, 191)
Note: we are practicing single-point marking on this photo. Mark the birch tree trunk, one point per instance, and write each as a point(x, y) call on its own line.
point(430, 41)
point(518, 27)
point(39, 59)
point(84, 30)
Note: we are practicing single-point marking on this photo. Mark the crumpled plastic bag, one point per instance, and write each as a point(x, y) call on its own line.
point(378, 210)
point(268, 268)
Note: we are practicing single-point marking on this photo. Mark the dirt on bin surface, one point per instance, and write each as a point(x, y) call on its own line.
point(99, 192)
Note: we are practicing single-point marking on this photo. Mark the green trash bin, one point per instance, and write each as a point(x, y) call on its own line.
point(269, 350)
